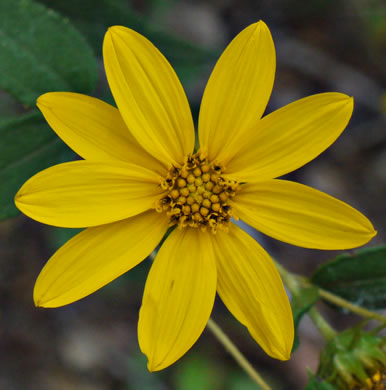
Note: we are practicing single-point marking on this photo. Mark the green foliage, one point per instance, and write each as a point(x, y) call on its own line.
point(197, 372)
point(240, 381)
point(40, 51)
point(93, 19)
point(359, 277)
point(301, 303)
point(27, 146)
point(374, 14)
point(352, 357)
point(315, 384)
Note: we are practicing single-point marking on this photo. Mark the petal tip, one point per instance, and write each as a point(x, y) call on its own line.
point(42, 100)
point(113, 29)
point(37, 303)
point(343, 99)
point(18, 199)
point(282, 352)
point(110, 33)
point(37, 300)
point(261, 24)
point(257, 27)
point(40, 301)
point(286, 356)
point(372, 233)
point(118, 30)
point(150, 366)
point(369, 232)
point(349, 100)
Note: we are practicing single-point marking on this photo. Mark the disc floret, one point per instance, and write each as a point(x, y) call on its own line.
point(198, 195)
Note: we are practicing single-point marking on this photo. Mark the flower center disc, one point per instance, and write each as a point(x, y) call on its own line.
point(198, 196)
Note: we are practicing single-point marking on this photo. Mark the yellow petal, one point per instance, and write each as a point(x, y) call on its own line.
point(178, 298)
point(302, 216)
point(83, 193)
point(96, 256)
point(237, 92)
point(93, 129)
point(250, 286)
point(149, 95)
point(291, 137)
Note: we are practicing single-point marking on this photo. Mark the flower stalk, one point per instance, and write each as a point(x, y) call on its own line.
point(324, 327)
point(294, 282)
point(351, 307)
point(237, 355)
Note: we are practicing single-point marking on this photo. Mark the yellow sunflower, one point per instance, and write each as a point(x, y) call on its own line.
point(140, 176)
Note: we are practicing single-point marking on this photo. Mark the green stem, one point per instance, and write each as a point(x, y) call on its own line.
point(292, 281)
point(324, 327)
point(237, 355)
point(328, 296)
point(289, 279)
point(350, 306)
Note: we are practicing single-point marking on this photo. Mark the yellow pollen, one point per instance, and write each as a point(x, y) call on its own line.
point(209, 186)
point(204, 211)
point(190, 199)
point(205, 168)
point(206, 194)
point(214, 198)
point(216, 207)
point(181, 200)
point(217, 189)
point(174, 194)
point(197, 172)
point(198, 196)
point(197, 217)
point(181, 182)
point(184, 191)
point(206, 203)
point(191, 179)
point(198, 182)
point(192, 188)
point(201, 190)
point(205, 177)
point(223, 196)
point(184, 173)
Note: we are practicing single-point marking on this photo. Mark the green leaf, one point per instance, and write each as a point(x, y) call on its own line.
point(315, 384)
point(301, 303)
point(359, 277)
point(94, 18)
point(239, 381)
point(27, 146)
point(40, 52)
point(197, 372)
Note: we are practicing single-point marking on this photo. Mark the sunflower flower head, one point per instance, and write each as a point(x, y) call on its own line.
point(198, 196)
point(140, 175)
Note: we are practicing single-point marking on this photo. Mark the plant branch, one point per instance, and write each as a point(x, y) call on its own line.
point(324, 327)
point(328, 296)
point(350, 306)
point(237, 355)
point(293, 282)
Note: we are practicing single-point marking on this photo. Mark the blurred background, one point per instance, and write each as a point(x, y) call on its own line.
point(322, 46)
